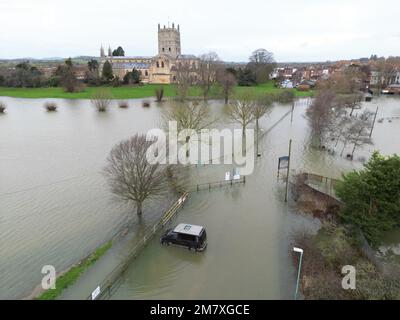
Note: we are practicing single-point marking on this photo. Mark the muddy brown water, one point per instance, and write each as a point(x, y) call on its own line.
point(55, 206)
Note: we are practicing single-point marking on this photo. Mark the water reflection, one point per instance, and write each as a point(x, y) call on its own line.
point(55, 206)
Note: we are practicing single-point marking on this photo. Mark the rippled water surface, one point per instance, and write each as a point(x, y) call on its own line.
point(55, 206)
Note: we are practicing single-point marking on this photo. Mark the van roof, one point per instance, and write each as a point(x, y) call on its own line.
point(188, 229)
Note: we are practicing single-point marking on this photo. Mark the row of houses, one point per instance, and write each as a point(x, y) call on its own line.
point(370, 75)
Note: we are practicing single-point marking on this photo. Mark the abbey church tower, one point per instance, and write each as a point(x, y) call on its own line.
point(169, 41)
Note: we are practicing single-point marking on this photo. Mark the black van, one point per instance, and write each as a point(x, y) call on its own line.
point(186, 235)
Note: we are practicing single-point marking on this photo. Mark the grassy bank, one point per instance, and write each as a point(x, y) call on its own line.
point(68, 278)
point(128, 92)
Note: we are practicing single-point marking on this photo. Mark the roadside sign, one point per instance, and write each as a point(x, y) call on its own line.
point(95, 293)
point(236, 174)
point(283, 162)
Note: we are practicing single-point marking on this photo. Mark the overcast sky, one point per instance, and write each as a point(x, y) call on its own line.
point(307, 30)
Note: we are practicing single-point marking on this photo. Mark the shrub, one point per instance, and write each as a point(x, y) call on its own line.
point(371, 196)
point(2, 107)
point(101, 99)
point(123, 104)
point(286, 96)
point(50, 106)
point(159, 94)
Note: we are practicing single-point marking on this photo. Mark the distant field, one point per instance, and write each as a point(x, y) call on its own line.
point(127, 92)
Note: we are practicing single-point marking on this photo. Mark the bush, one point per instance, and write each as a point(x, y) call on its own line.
point(286, 96)
point(371, 196)
point(159, 94)
point(2, 107)
point(50, 106)
point(101, 99)
point(123, 104)
point(324, 256)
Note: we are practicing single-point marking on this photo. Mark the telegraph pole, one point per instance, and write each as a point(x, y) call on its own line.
point(291, 117)
point(373, 123)
point(288, 168)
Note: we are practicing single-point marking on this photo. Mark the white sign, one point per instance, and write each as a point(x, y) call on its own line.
point(227, 176)
point(236, 174)
point(95, 293)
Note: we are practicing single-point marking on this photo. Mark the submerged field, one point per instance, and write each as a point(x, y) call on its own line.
point(129, 92)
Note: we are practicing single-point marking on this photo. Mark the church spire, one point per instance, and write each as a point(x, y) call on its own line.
point(109, 51)
point(102, 54)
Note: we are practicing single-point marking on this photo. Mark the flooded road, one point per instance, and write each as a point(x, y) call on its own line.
point(55, 206)
point(249, 226)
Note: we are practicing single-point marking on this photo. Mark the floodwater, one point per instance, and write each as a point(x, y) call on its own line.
point(55, 206)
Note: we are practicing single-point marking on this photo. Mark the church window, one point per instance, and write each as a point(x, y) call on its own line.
point(169, 49)
point(146, 73)
point(162, 64)
point(158, 64)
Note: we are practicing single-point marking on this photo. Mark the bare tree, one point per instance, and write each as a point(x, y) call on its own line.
point(208, 68)
point(320, 115)
point(385, 69)
point(261, 108)
point(227, 81)
point(241, 111)
point(67, 76)
point(190, 117)
point(131, 177)
point(262, 63)
point(351, 101)
point(2, 107)
point(159, 94)
point(358, 131)
point(184, 79)
point(50, 106)
point(101, 99)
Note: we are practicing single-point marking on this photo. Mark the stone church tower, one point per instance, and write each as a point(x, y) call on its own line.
point(169, 41)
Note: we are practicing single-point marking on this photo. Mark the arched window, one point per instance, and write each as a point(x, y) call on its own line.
point(169, 49)
point(146, 73)
point(158, 64)
point(163, 49)
point(162, 64)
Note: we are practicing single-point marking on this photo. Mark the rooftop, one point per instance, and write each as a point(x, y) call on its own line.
point(188, 229)
point(130, 65)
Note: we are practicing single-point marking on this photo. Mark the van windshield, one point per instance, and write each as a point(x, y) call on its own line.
point(203, 236)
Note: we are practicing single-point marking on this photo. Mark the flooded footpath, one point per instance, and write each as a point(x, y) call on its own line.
point(55, 206)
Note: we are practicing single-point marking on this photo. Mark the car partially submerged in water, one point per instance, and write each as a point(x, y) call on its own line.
point(186, 235)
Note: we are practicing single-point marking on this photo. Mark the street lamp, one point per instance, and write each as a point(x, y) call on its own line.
point(298, 272)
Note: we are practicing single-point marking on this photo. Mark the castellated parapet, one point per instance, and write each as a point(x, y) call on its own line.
point(169, 41)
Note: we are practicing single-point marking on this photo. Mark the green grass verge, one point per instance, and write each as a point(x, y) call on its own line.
point(73, 274)
point(128, 92)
